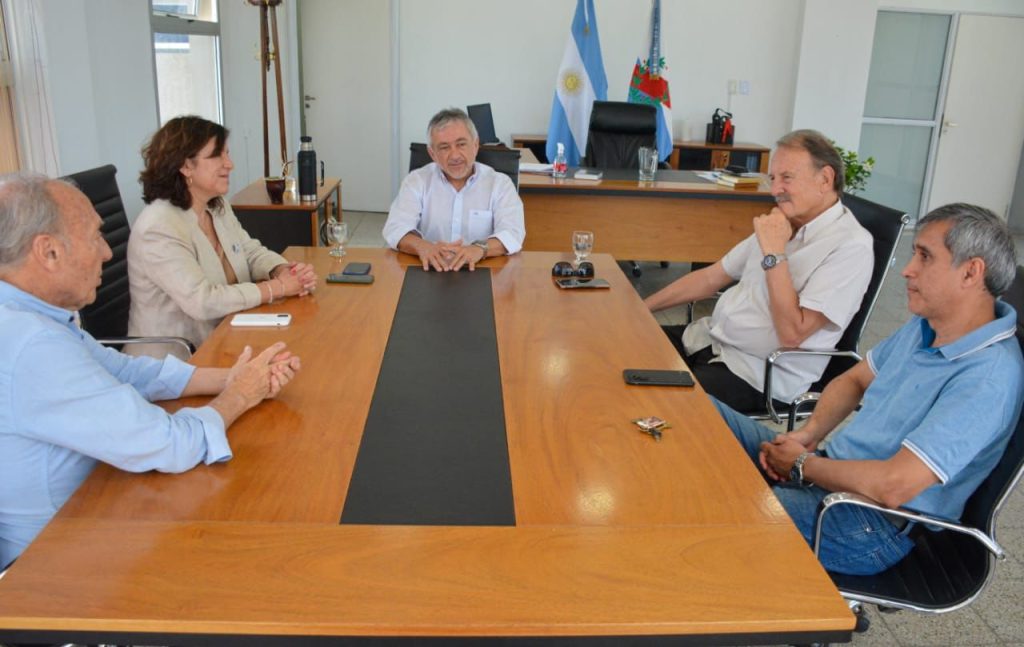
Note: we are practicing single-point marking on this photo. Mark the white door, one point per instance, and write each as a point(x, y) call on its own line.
point(346, 66)
point(983, 124)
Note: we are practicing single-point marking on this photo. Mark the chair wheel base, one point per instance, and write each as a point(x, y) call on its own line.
point(863, 621)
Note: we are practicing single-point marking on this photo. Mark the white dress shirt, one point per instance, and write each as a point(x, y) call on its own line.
point(829, 260)
point(487, 206)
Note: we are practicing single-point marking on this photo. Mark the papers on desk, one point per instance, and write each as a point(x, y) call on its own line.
point(742, 180)
point(534, 167)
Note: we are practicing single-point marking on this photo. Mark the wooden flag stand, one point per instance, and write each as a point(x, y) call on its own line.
point(270, 51)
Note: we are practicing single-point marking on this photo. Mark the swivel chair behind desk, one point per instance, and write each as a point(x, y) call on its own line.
point(617, 132)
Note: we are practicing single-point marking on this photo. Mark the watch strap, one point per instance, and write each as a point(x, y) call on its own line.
point(797, 473)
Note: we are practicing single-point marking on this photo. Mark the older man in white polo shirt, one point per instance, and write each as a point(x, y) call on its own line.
point(801, 277)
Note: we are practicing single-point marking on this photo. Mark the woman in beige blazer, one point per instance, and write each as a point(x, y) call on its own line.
point(190, 262)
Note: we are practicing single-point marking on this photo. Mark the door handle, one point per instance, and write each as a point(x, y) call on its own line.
point(307, 98)
point(947, 124)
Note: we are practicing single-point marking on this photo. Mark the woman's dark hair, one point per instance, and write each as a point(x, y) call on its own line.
point(179, 139)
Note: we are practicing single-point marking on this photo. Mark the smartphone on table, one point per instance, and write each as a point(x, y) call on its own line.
point(261, 320)
point(581, 284)
point(648, 377)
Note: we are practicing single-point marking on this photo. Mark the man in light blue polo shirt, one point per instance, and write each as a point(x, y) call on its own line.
point(941, 397)
point(65, 401)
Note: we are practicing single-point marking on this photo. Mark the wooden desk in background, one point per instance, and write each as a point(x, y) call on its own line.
point(615, 535)
point(678, 217)
point(686, 155)
point(291, 223)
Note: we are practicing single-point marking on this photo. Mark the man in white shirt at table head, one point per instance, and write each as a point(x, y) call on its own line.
point(455, 211)
point(800, 279)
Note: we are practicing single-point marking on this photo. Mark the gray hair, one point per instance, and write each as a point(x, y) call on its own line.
point(823, 153)
point(978, 233)
point(447, 116)
point(27, 209)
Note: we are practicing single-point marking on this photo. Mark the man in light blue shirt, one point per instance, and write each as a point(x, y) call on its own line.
point(67, 402)
point(941, 397)
point(455, 211)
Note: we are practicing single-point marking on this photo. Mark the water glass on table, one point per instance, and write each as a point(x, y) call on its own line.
point(582, 245)
point(648, 158)
point(337, 233)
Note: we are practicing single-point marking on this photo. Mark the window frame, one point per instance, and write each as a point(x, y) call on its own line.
point(170, 23)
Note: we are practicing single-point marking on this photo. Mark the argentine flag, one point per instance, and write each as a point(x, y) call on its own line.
point(647, 85)
point(581, 81)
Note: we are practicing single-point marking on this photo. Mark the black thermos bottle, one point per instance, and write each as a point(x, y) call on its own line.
point(307, 170)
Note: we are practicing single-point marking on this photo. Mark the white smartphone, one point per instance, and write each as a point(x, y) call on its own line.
point(278, 319)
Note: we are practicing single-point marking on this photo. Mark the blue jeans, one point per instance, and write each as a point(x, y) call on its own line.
point(854, 540)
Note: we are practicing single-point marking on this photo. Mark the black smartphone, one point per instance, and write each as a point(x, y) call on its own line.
point(582, 283)
point(349, 278)
point(356, 269)
point(646, 377)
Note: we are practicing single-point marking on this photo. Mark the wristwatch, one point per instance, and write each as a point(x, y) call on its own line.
point(796, 473)
point(482, 244)
point(771, 260)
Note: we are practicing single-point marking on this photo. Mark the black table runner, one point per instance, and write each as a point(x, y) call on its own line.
point(434, 450)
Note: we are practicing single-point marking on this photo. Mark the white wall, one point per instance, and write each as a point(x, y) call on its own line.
point(508, 55)
point(100, 66)
point(101, 82)
point(835, 57)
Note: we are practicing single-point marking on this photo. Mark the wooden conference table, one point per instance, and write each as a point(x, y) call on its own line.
point(677, 217)
point(615, 534)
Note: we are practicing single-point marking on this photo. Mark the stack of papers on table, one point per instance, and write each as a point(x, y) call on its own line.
point(588, 174)
point(534, 167)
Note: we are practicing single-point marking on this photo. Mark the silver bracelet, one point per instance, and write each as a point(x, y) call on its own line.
point(270, 289)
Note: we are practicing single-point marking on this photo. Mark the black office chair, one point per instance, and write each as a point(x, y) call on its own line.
point(946, 570)
point(885, 226)
point(617, 132)
point(501, 159)
point(106, 318)
point(481, 116)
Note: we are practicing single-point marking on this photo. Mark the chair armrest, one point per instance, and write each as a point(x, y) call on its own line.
point(171, 341)
point(798, 404)
point(849, 498)
point(778, 354)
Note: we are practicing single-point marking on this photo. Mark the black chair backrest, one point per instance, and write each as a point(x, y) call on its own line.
point(885, 226)
point(501, 159)
point(617, 131)
point(108, 315)
point(482, 118)
point(981, 509)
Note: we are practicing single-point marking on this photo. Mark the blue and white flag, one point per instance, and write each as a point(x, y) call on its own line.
point(581, 80)
point(648, 85)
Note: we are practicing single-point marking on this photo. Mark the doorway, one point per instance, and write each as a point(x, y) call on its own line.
point(345, 47)
point(941, 124)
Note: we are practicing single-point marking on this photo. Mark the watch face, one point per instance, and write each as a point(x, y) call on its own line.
point(769, 261)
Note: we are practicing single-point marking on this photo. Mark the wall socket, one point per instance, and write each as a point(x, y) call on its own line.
point(739, 87)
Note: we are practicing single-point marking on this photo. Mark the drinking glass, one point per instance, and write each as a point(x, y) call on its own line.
point(582, 244)
point(648, 160)
point(337, 233)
